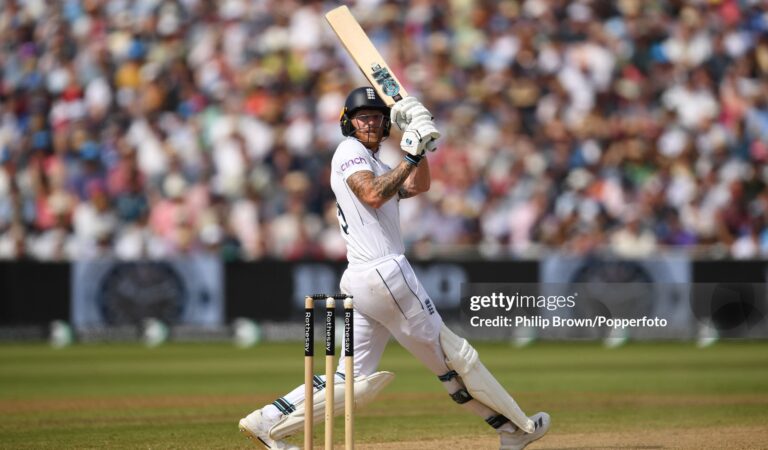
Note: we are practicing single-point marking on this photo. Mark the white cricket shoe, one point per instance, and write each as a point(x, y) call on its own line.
point(256, 428)
point(520, 439)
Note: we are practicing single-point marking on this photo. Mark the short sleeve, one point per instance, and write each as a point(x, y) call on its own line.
point(350, 157)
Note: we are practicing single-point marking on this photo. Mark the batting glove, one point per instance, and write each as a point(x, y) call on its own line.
point(406, 110)
point(419, 135)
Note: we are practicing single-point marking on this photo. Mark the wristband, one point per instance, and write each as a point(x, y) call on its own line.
point(413, 160)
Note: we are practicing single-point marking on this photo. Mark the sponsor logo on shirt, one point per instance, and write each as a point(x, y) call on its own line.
point(352, 162)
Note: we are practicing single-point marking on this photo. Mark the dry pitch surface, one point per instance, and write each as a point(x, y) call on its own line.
point(730, 437)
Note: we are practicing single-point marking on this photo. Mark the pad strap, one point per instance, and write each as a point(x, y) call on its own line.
point(448, 376)
point(461, 396)
point(497, 421)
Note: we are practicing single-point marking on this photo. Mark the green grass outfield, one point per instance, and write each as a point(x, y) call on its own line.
point(192, 395)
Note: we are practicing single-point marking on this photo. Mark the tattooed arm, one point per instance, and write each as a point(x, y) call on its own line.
point(417, 182)
point(375, 191)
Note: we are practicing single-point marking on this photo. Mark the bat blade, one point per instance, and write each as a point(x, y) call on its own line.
point(365, 55)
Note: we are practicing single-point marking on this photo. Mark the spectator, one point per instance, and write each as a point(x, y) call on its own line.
point(155, 128)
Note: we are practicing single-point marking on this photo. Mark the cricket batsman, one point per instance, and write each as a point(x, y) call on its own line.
point(389, 299)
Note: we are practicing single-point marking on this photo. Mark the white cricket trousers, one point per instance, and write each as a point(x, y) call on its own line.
point(390, 300)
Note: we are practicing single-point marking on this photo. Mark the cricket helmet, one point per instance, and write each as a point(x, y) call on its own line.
point(363, 98)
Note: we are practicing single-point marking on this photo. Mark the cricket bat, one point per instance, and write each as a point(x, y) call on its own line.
point(367, 58)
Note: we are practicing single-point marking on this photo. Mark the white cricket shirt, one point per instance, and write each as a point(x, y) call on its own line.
point(370, 233)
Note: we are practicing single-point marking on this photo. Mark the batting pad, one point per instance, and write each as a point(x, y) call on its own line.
point(463, 358)
point(366, 389)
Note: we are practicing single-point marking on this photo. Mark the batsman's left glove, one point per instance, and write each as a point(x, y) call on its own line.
point(405, 111)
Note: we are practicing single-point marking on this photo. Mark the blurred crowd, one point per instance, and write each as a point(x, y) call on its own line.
point(156, 128)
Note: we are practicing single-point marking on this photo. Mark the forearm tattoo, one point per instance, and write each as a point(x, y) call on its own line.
point(406, 193)
point(388, 184)
point(359, 183)
point(365, 183)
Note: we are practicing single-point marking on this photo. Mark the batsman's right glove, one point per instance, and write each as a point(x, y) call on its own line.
point(420, 135)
